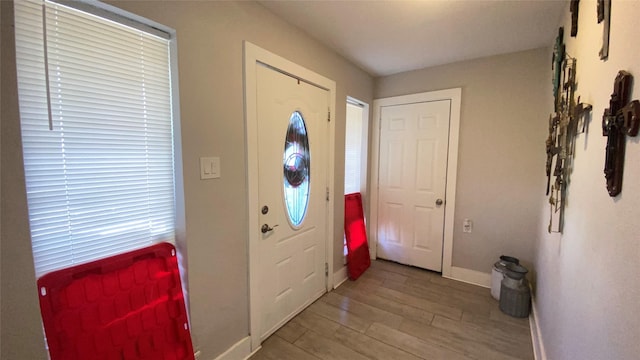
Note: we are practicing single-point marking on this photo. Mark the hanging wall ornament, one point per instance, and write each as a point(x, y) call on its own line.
point(622, 118)
point(582, 113)
point(556, 66)
point(604, 16)
point(560, 145)
point(575, 6)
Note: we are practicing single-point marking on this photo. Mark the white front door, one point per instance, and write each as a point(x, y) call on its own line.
point(293, 132)
point(412, 182)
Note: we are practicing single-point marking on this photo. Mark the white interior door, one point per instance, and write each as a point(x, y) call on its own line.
point(412, 182)
point(292, 138)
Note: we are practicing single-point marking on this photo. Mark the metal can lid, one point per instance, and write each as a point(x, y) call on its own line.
point(500, 266)
point(516, 272)
point(511, 259)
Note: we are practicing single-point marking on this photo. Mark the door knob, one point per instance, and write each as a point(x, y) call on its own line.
point(439, 202)
point(266, 228)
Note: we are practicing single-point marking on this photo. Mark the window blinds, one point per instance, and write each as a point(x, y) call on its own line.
point(96, 117)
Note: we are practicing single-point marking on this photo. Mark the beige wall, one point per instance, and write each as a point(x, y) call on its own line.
point(588, 286)
point(501, 152)
point(210, 36)
point(21, 325)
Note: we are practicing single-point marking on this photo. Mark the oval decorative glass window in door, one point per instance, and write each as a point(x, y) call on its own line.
point(296, 164)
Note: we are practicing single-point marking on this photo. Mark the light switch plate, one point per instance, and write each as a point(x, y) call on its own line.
point(209, 168)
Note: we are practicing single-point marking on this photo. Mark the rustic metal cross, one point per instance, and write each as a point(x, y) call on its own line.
point(574, 8)
point(620, 119)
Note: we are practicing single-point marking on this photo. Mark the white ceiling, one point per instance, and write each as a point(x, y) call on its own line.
point(388, 37)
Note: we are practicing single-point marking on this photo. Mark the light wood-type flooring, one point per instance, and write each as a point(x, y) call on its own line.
point(400, 312)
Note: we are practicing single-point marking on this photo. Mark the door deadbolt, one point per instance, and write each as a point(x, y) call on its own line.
point(265, 210)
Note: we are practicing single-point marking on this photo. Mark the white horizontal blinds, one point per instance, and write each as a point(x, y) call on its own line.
point(353, 149)
point(101, 181)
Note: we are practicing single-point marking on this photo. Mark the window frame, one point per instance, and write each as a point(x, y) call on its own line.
point(364, 156)
point(123, 17)
point(364, 144)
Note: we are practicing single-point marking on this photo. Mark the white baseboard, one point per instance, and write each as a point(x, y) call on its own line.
point(339, 277)
point(539, 352)
point(239, 350)
point(253, 352)
point(470, 276)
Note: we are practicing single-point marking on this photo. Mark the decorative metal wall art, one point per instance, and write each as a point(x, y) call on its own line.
point(563, 128)
point(604, 15)
point(556, 65)
point(620, 119)
point(575, 7)
point(582, 112)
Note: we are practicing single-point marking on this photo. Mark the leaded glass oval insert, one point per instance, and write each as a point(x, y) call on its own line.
point(296, 164)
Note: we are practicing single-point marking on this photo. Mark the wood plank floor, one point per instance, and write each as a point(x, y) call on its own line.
point(400, 312)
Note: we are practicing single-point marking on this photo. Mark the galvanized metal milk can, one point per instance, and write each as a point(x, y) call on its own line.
point(515, 296)
point(497, 274)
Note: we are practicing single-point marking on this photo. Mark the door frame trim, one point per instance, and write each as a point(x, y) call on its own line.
point(256, 56)
point(455, 95)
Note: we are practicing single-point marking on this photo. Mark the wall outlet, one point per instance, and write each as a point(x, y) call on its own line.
point(467, 226)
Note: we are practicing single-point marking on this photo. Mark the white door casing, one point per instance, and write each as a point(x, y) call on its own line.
point(417, 206)
point(286, 264)
point(411, 182)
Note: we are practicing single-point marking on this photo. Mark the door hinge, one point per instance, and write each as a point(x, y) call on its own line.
point(326, 269)
point(329, 115)
point(327, 193)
